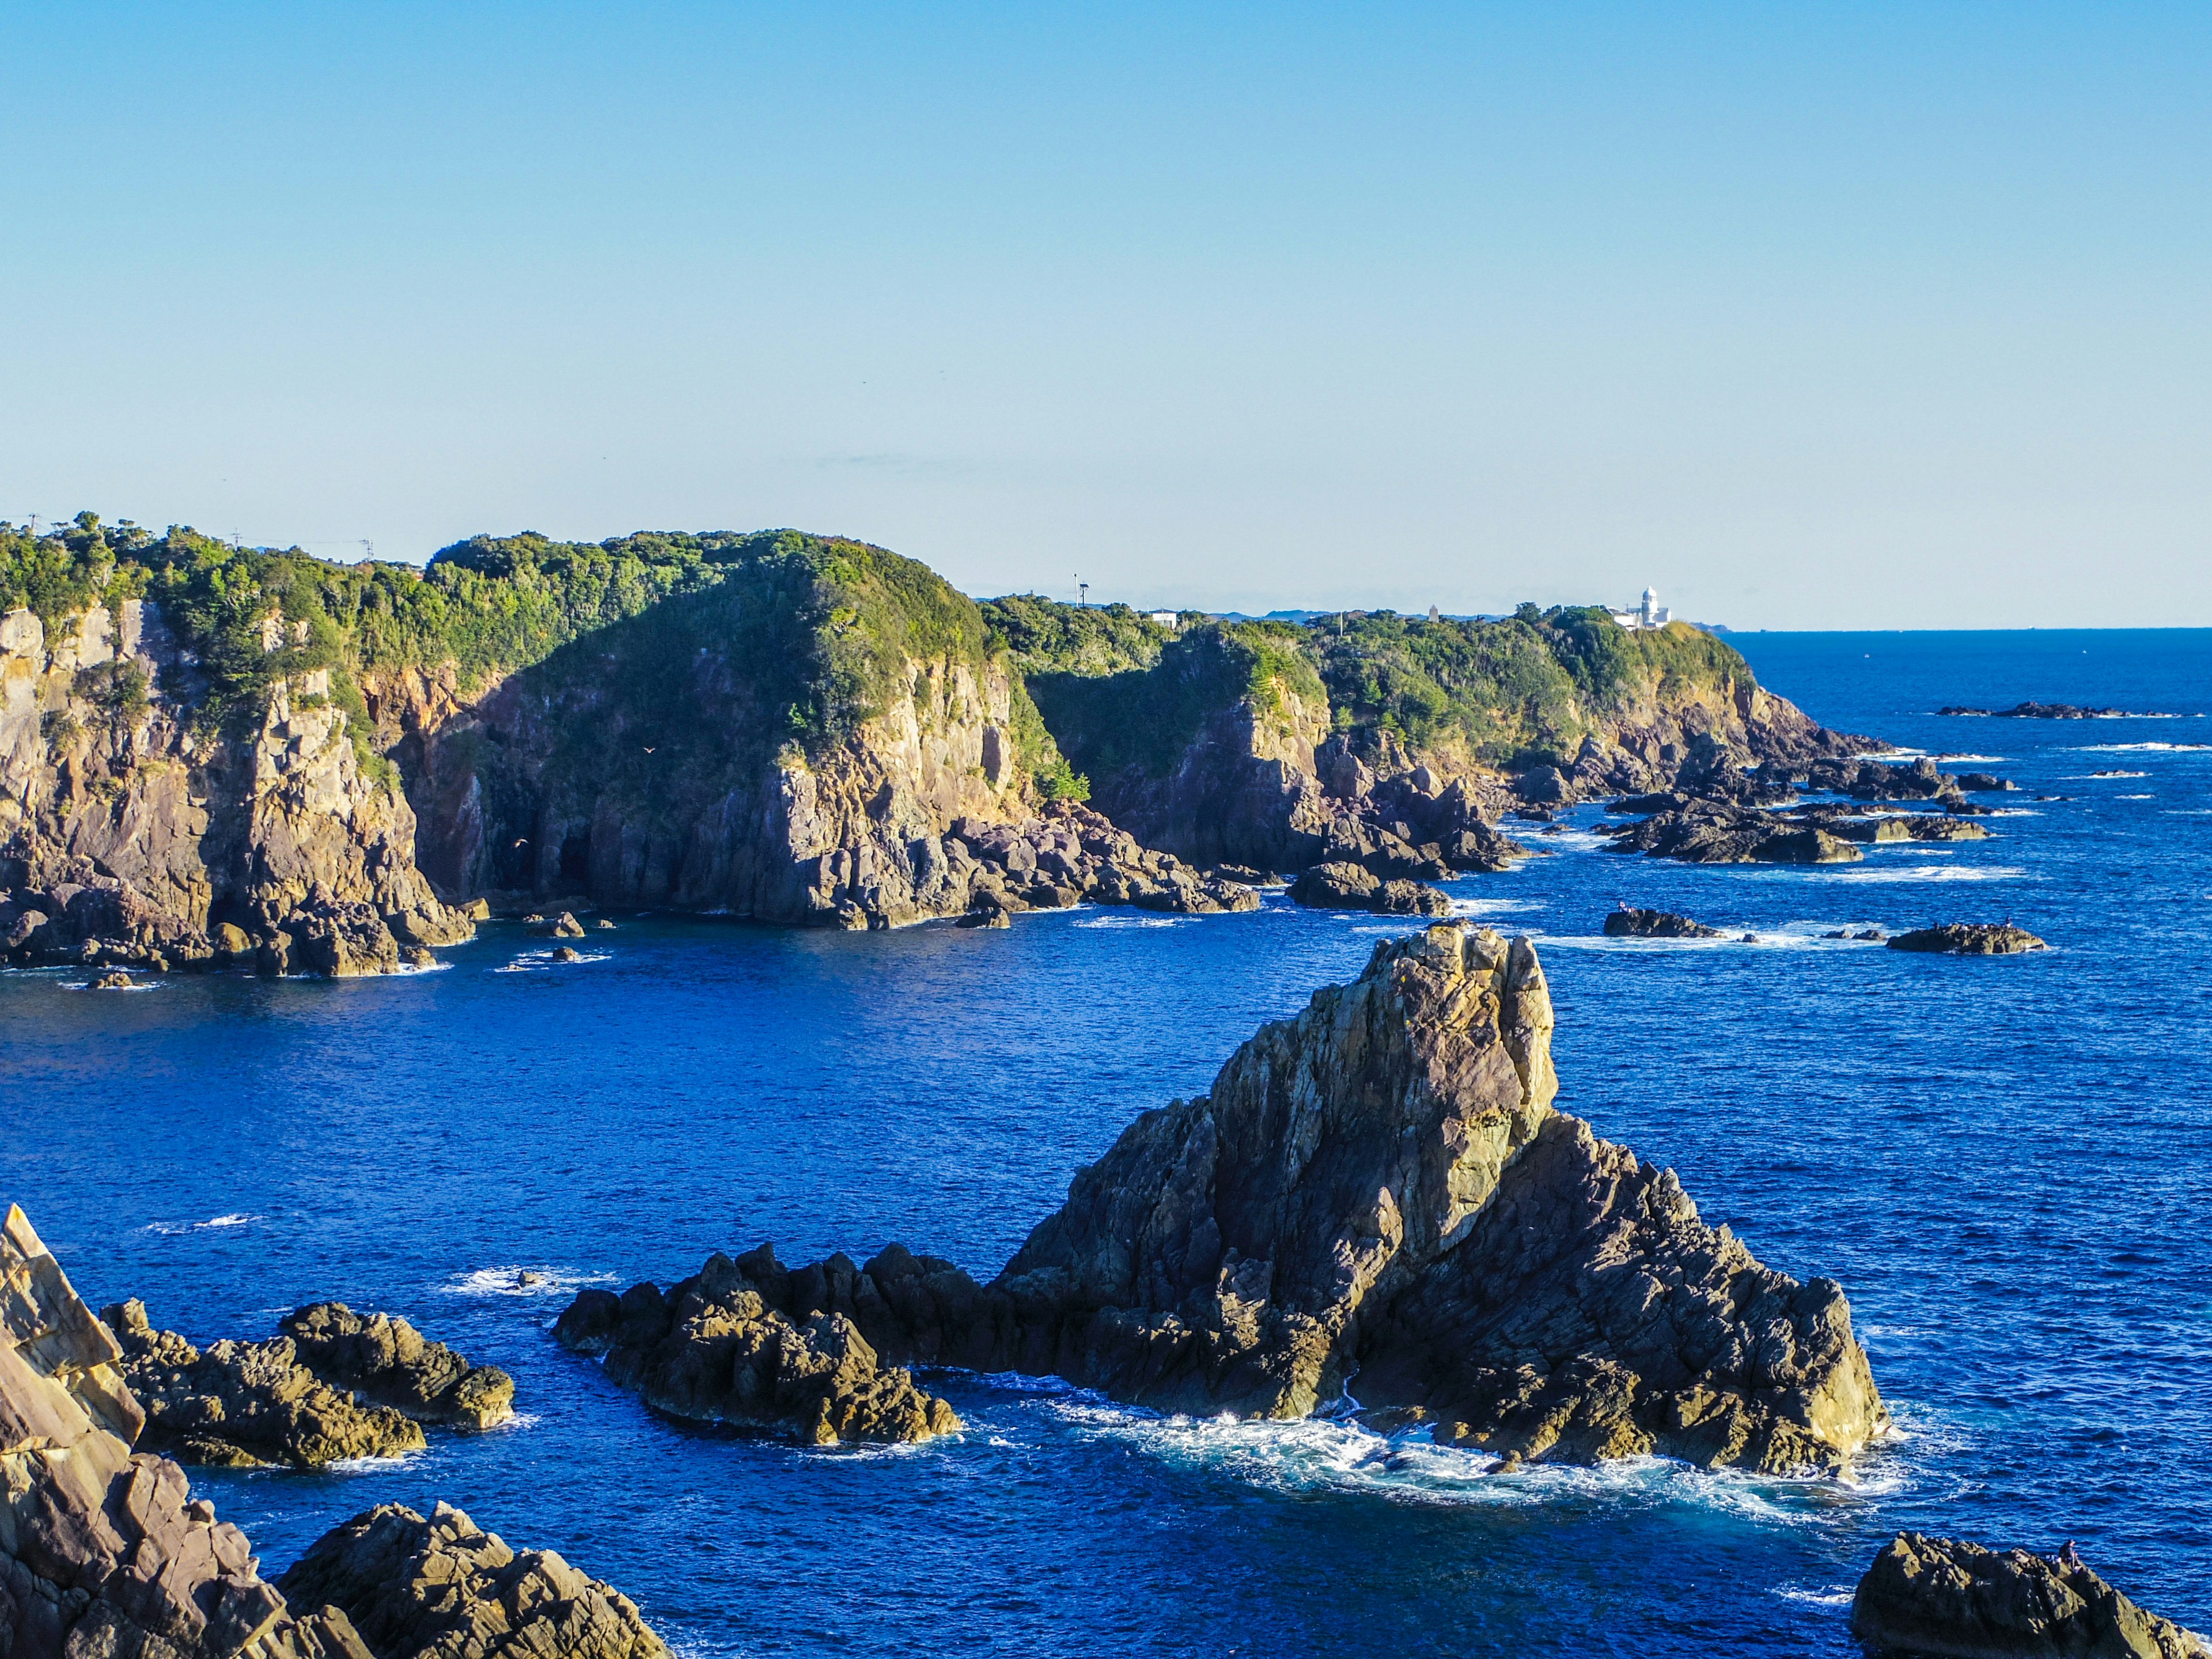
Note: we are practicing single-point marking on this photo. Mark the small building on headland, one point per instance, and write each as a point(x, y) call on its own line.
point(1649, 614)
point(1165, 618)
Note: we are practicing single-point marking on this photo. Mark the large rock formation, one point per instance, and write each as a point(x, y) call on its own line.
point(721, 1347)
point(1343, 886)
point(103, 1551)
point(128, 836)
point(1940, 1598)
point(443, 1587)
point(243, 1404)
point(1968, 939)
point(1716, 832)
point(389, 1361)
point(1378, 1198)
point(1627, 922)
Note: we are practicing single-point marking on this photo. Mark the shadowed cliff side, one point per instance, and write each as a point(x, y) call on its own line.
point(1376, 1198)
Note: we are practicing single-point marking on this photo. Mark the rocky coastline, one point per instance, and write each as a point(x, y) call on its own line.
point(1942, 1598)
point(1378, 1204)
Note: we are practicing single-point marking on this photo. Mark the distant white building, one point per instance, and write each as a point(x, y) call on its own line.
point(1649, 614)
point(1165, 618)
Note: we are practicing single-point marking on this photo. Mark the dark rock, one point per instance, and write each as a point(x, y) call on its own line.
point(1969, 939)
point(1376, 1193)
point(102, 1551)
point(241, 1404)
point(1477, 847)
point(1712, 832)
point(568, 953)
point(1338, 886)
point(388, 1361)
point(716, 1348)
point(564, 926)
point(444, 1587)
point(1243, 874)
point(1411, 898)
point(1985, 782)
point(2055, 711)
point(1628, 923)
point(1946, 1598)
point(1925, 826)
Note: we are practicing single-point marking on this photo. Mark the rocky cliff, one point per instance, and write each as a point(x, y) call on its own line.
point(1376, 1202)
point(135, 835)
point(1942, 1598)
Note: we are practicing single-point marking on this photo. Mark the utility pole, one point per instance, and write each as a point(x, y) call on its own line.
point(367, 549)
point(1082, 592)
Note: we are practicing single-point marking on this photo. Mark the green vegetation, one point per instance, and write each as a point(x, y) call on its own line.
point(1043, 636)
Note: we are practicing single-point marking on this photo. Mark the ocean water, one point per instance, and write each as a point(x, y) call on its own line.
point(2006, 1162)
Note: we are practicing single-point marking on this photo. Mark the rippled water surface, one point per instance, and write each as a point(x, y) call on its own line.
point(2006, 1163)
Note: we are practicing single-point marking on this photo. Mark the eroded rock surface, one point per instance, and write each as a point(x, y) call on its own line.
point(390, 1362)
point(1627, 922)
point(1343, 886)
point(722, 1346)
point(444, 1587)
point(1377, 1197)
point(1969, 939)
point(1716, 832)
point(103, 1551)
point(1948, 1599)
point(246, 1403)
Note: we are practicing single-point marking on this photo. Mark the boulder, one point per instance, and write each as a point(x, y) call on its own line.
point(1984, 783)
point(388, 1361)
point(442, 1586)
point(568, 953)
point(716, 1347)
point(1337, 886)
point(1628, 923)
point(1411, 898)
point(245, 1404)
point(1968, 939)
point(564, 926)
point(1943, 1598)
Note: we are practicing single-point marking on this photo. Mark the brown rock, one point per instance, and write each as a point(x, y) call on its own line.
point(1968, 939)
point(1947, 1599)
point(387, 1360)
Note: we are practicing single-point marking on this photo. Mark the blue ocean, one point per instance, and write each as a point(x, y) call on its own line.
point(2006, 1162)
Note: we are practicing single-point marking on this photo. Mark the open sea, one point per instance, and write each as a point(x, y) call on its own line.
point(2006, 1162)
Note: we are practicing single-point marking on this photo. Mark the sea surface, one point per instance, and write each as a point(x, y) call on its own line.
point(2006, 1162)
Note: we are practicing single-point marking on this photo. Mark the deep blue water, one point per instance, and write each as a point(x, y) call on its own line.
point(2006, 1162)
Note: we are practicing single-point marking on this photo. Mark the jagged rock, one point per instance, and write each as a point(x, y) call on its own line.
point(444, 1588)
point(1628, 923)
point(2052, 711)
point(1411, 898)
point(568, 953)
point(1969, 939)
point(987, 915)
point(1336, 887)
point(1915, 827)
point(1943, 1598)
point(1985, 783)
point(103, 1551)
point(1377, 1194)
point(564, 926)
point(603, 925)
point(388, 1361)
point(719, 1347)
point(112, 982)
point(1712, 832)
point(242, 1404)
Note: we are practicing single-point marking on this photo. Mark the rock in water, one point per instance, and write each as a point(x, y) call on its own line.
point(1378, 1194)
point(103, 1551)
point(1341, 885)
point(1951, 1600)
point(388, 1361)
point(1969, 939)
point(246, 1403)
point(714, 1347)
point(1628, 923)
point(444, 1587)
point(564, 926)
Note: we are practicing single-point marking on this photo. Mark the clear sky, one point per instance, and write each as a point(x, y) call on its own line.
point(1810, 315)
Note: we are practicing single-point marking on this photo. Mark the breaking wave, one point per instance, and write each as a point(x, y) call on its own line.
point(1932, 872)
point(2143, 748)
point(540, 962)
point(508, 1281)
point(169, 1229)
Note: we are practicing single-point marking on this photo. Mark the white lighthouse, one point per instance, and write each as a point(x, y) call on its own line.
point(1649, 614)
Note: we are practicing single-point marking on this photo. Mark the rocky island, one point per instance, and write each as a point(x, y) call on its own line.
point(103, 1551)
point(1940, 1598)
point(1375, 1202)
point(1968, 939)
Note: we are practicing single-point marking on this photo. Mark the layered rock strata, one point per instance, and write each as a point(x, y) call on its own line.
point(721, 1347)
point(442, 1588)
point(127, 837)
point(245, 1403)
point(1943, 1598)
point(1378, 1199)
point(390, 1363)
point(1968, 939)
point(1627, 922)
point(103, 1551)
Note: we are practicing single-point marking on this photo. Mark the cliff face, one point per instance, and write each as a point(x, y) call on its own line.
point(130, 837)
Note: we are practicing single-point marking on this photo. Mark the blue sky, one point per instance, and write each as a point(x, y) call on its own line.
point(1811, 316)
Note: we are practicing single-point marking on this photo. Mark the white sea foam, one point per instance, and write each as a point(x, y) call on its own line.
point(2143, 748)
point(540, 962)
point(172, 1228)
point(424, 968)
point(1961, 759)
point(2092, 777)
point(506, 1281)
point(1932, 873)
point(86, 984)
point(1133, 921)
point(373, 1465)
point(2015, 812)
point(1831, 1595)
point(1580, 841)
point(1489, 907)
point(2135, 798)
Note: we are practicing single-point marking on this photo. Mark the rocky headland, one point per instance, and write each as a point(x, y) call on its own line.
point(297, 1400)
point(1968, 939)
point(1942, 1598)
point(1376, 1201)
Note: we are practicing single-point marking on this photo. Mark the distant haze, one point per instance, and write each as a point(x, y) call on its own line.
point(1875, 316)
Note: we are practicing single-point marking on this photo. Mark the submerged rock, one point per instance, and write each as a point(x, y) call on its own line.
point(1969, 939)
point(444, 1587)
point(102, 1551)
point(1378, 1194)
point(1627, 922)
point(1948, 1599)
point(721, 1347)
point(242, 1404)
point(389, 1361)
